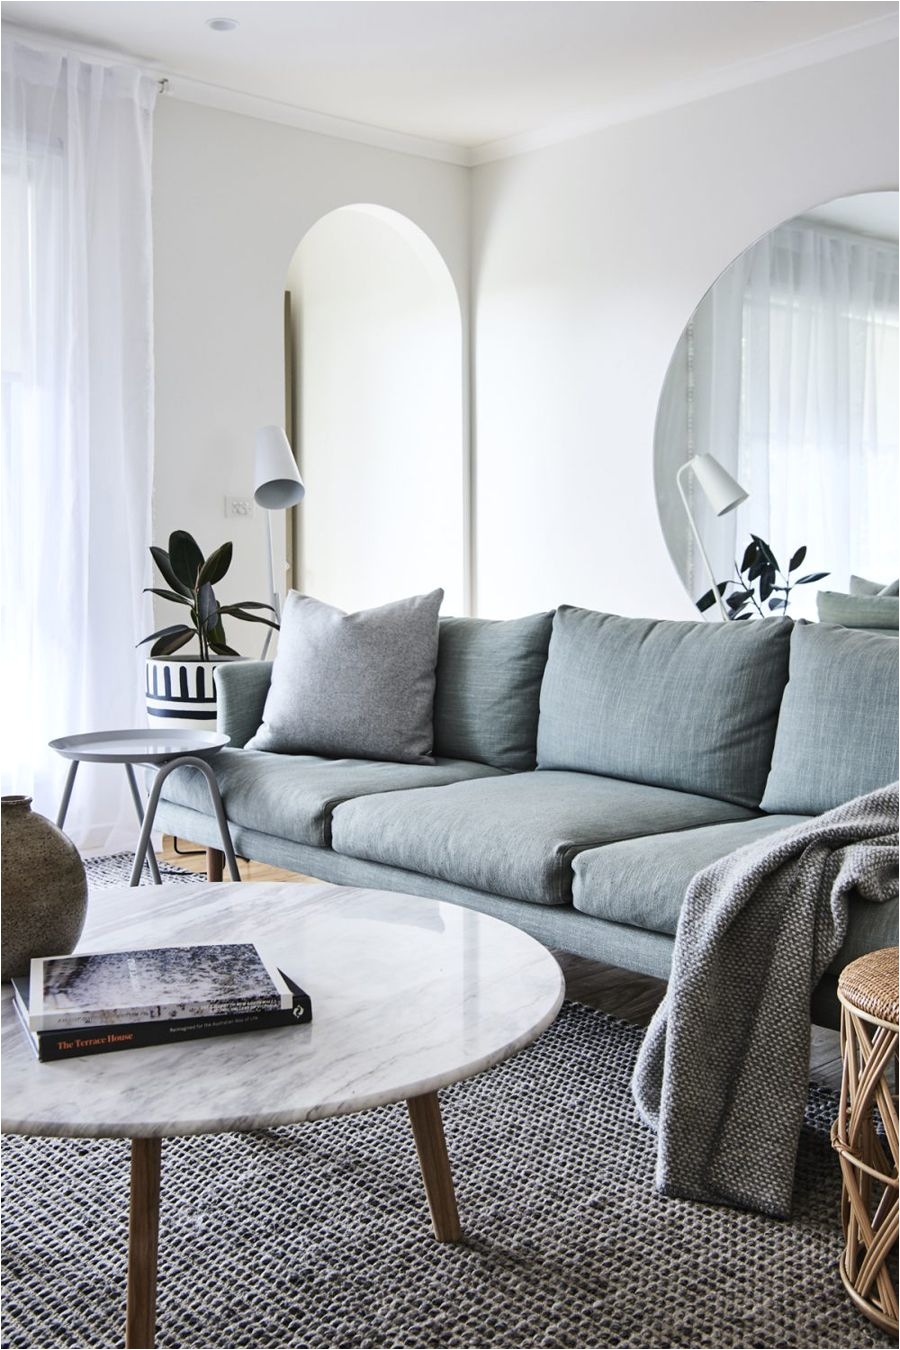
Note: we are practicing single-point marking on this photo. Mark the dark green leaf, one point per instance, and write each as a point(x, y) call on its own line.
point(172, 629)
point(757, 567)
point(215, 567)
point(185, 557)
point(207, 608)
point(797, 559)
point(813, 576)
point(766, 552)
point(738, 599)
point(750, 555)
point(709, 598)
point(777, 602)
point(166, 646)
point(766, 583)
point(221, 650)
point(167, 595)
point(738, 617)
point(236, 612)
point(161, 558)
point(253, 604)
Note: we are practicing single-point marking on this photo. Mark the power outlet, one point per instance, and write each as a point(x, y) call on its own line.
point(238, 508)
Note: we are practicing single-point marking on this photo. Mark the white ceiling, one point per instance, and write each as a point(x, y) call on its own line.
point(468, 75)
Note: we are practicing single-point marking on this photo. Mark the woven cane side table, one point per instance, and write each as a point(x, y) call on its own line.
point(865, 1134)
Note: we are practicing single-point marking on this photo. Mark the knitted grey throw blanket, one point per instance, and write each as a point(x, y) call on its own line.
point(723, 1071)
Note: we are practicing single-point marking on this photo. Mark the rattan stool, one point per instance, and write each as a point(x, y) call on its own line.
point(867, 1145)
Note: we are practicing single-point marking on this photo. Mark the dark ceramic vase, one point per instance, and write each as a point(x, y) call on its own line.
point(44, 888)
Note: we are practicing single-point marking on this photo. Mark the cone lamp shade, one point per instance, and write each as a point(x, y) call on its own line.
point(722, 492)
point(277, 484)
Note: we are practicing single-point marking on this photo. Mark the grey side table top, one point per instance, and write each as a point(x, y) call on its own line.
point(139, 746)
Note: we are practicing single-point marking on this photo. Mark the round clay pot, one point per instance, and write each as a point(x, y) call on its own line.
point(44, 888)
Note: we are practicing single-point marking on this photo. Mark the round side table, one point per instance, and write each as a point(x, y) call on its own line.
point(865, 1134)
point(161, 750)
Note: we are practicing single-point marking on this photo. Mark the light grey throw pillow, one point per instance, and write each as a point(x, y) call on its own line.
point(862, 586)
point(691, 706)
point(358, 685)
point(859, 611)
point(837, 731)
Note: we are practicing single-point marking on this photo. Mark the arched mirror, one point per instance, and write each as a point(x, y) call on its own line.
point(375, 368)
point(787, 376)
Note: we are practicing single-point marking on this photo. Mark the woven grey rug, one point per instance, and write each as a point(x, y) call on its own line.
point(318, 1235)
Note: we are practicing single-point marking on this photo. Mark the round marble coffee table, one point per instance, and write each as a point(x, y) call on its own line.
point(408, 995)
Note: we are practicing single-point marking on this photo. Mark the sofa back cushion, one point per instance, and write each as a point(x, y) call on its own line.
point(358, 685)
point(859, 611)
point(837, 732)
point(489, 674)
point(691, 706)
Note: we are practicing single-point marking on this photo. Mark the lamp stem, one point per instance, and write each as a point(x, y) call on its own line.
point(276, 602)
point(690, 516)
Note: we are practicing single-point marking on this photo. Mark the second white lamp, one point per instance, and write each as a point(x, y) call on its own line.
point(722, 492)
point(277, 486)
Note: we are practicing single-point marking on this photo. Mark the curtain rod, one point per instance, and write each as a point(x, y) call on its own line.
point(54, 42)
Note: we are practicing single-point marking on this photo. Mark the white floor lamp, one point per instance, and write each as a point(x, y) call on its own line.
point(722, 492)
point(277, 486)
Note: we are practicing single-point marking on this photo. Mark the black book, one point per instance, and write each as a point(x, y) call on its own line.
point(71, 1042)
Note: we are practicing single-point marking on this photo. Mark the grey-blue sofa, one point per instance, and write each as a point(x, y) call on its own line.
point(586, 766)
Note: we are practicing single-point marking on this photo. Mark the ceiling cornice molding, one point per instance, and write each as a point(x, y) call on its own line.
point(872, 33)
point(304, 119)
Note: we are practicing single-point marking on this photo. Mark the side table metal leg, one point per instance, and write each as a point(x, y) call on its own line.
point(139, 808)
point(183, 762)
point(67, 794)
point(224, 832)
point(143, 1244)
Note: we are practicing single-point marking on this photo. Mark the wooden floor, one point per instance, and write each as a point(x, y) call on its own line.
point(633, 998)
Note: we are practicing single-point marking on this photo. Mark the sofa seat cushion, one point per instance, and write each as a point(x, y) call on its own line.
point(293, 796)
point(642, 881)
point(690, 706)
point(516, 835)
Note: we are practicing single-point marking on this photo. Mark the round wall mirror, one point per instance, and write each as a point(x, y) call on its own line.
point(781, 399)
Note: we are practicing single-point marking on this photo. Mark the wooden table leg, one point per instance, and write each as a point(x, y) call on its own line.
point(143, 1244)
point(215, 864)
point(428, 1132)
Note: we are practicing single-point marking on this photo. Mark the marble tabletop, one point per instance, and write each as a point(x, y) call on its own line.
point(408, 995)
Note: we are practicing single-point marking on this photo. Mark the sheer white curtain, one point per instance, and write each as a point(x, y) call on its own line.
point(77, 444)
point(787, 373)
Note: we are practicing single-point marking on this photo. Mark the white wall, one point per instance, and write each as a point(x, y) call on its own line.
point(378, 354)
point(233, 197)
point(588, 259)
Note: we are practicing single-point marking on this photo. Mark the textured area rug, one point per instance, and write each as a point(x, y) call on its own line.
point(114, 869)
point(318, 1235)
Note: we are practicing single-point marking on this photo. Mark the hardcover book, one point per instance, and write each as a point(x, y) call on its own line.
point(69, 1043)
point(160, 984)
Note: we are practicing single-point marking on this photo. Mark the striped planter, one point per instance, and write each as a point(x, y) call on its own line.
point(181, 692)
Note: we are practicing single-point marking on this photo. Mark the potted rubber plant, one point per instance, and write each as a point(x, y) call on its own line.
point(181, 691)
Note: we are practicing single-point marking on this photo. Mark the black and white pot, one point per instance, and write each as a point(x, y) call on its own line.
point(181, 691)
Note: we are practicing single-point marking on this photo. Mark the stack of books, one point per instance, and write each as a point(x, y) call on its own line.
point(91, 1004)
